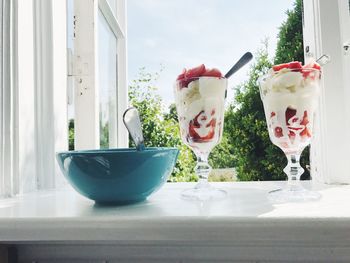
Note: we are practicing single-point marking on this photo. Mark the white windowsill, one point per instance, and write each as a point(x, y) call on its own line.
point(245, 220)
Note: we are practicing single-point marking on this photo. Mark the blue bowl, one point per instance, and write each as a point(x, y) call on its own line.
point(117, 176)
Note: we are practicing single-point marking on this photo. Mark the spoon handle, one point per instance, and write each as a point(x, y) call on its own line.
point(132, 122)
point(240, 63)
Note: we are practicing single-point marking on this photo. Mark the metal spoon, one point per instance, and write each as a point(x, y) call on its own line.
point(323, 60)
point(240, 63)
point(131, 118)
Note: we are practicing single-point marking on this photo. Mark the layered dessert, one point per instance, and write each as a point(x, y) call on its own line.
point(290, 96)
point(200, 97)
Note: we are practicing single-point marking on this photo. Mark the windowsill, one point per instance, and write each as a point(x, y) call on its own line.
point(245, 217)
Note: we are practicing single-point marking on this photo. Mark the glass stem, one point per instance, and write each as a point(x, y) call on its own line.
point(293, 171)
point(203, 170)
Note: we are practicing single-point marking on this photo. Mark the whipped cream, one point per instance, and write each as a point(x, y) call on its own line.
point(200, 108)
point(287, 91)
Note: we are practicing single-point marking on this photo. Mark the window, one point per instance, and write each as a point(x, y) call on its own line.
point(107, 83)
point(327, 31)
point(99, 69)
point(33, 97)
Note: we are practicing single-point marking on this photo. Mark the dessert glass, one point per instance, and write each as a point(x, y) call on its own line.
point(290, 99)
point(200, 104)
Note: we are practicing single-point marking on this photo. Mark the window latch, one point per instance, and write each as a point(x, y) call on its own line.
point(346, 47)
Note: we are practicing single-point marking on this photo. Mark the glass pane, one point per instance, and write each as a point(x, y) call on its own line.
point(113, 5)
point(107, 81)
point(70, 82)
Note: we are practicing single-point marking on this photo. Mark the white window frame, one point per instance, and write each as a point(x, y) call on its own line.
point(85, 71)
point(327, 31)
point(8, 99)
point(33, 94)
point(29, 141)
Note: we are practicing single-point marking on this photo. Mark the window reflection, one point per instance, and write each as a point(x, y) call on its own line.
point(107, 80)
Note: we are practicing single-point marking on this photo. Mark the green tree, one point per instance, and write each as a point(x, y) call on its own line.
point(160, 129)
point(290, 36)
point(255, 157)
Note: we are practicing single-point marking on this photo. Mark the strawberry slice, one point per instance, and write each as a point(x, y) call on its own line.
point(209, 136)
point(307, 72)
point(305, 133)
point(212, 73)
point(190, 75)
point(194, 124)
point(278, 132)
point(280, 66)
point(192, 134)
point(273, 114)
point(305, 119)
point(182, 75)
point(314, 65)
point(291, 136)
point(295, 65)
point(290, 112)
point(195, 72)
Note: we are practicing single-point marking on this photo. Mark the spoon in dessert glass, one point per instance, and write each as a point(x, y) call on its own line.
point(239, 64)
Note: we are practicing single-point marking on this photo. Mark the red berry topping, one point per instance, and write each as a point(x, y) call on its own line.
point(308, 72)
point(294, 65)
point(212, 73)
point(193, 74)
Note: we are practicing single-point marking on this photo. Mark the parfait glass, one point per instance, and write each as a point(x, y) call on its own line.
point(290, 111)
point(200, 109)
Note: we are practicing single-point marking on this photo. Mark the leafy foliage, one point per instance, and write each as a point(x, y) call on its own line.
point(255, 157)
point(71, 134)
point(290, 37)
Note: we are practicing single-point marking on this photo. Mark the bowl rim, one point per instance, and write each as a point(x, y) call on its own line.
point(118, 150)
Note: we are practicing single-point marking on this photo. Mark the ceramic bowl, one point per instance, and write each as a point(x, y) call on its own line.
point(117, 176)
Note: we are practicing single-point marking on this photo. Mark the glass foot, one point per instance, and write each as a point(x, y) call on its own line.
point(200, 193)
point(297, 194)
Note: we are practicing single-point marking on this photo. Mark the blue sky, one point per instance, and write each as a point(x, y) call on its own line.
point(187, 33)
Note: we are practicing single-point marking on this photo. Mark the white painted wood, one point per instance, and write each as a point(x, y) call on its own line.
point(50, 69)
point(112, 21)
point(123, 97)
point(86, 125)
point(245, 226)
point(8, 99)
point(326, 26)
point(26, 98)
point(44, 100)
point(86, 72)
point(33, 95)
point(59, 86)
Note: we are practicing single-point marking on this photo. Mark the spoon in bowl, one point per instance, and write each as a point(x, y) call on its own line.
point(131, 119)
